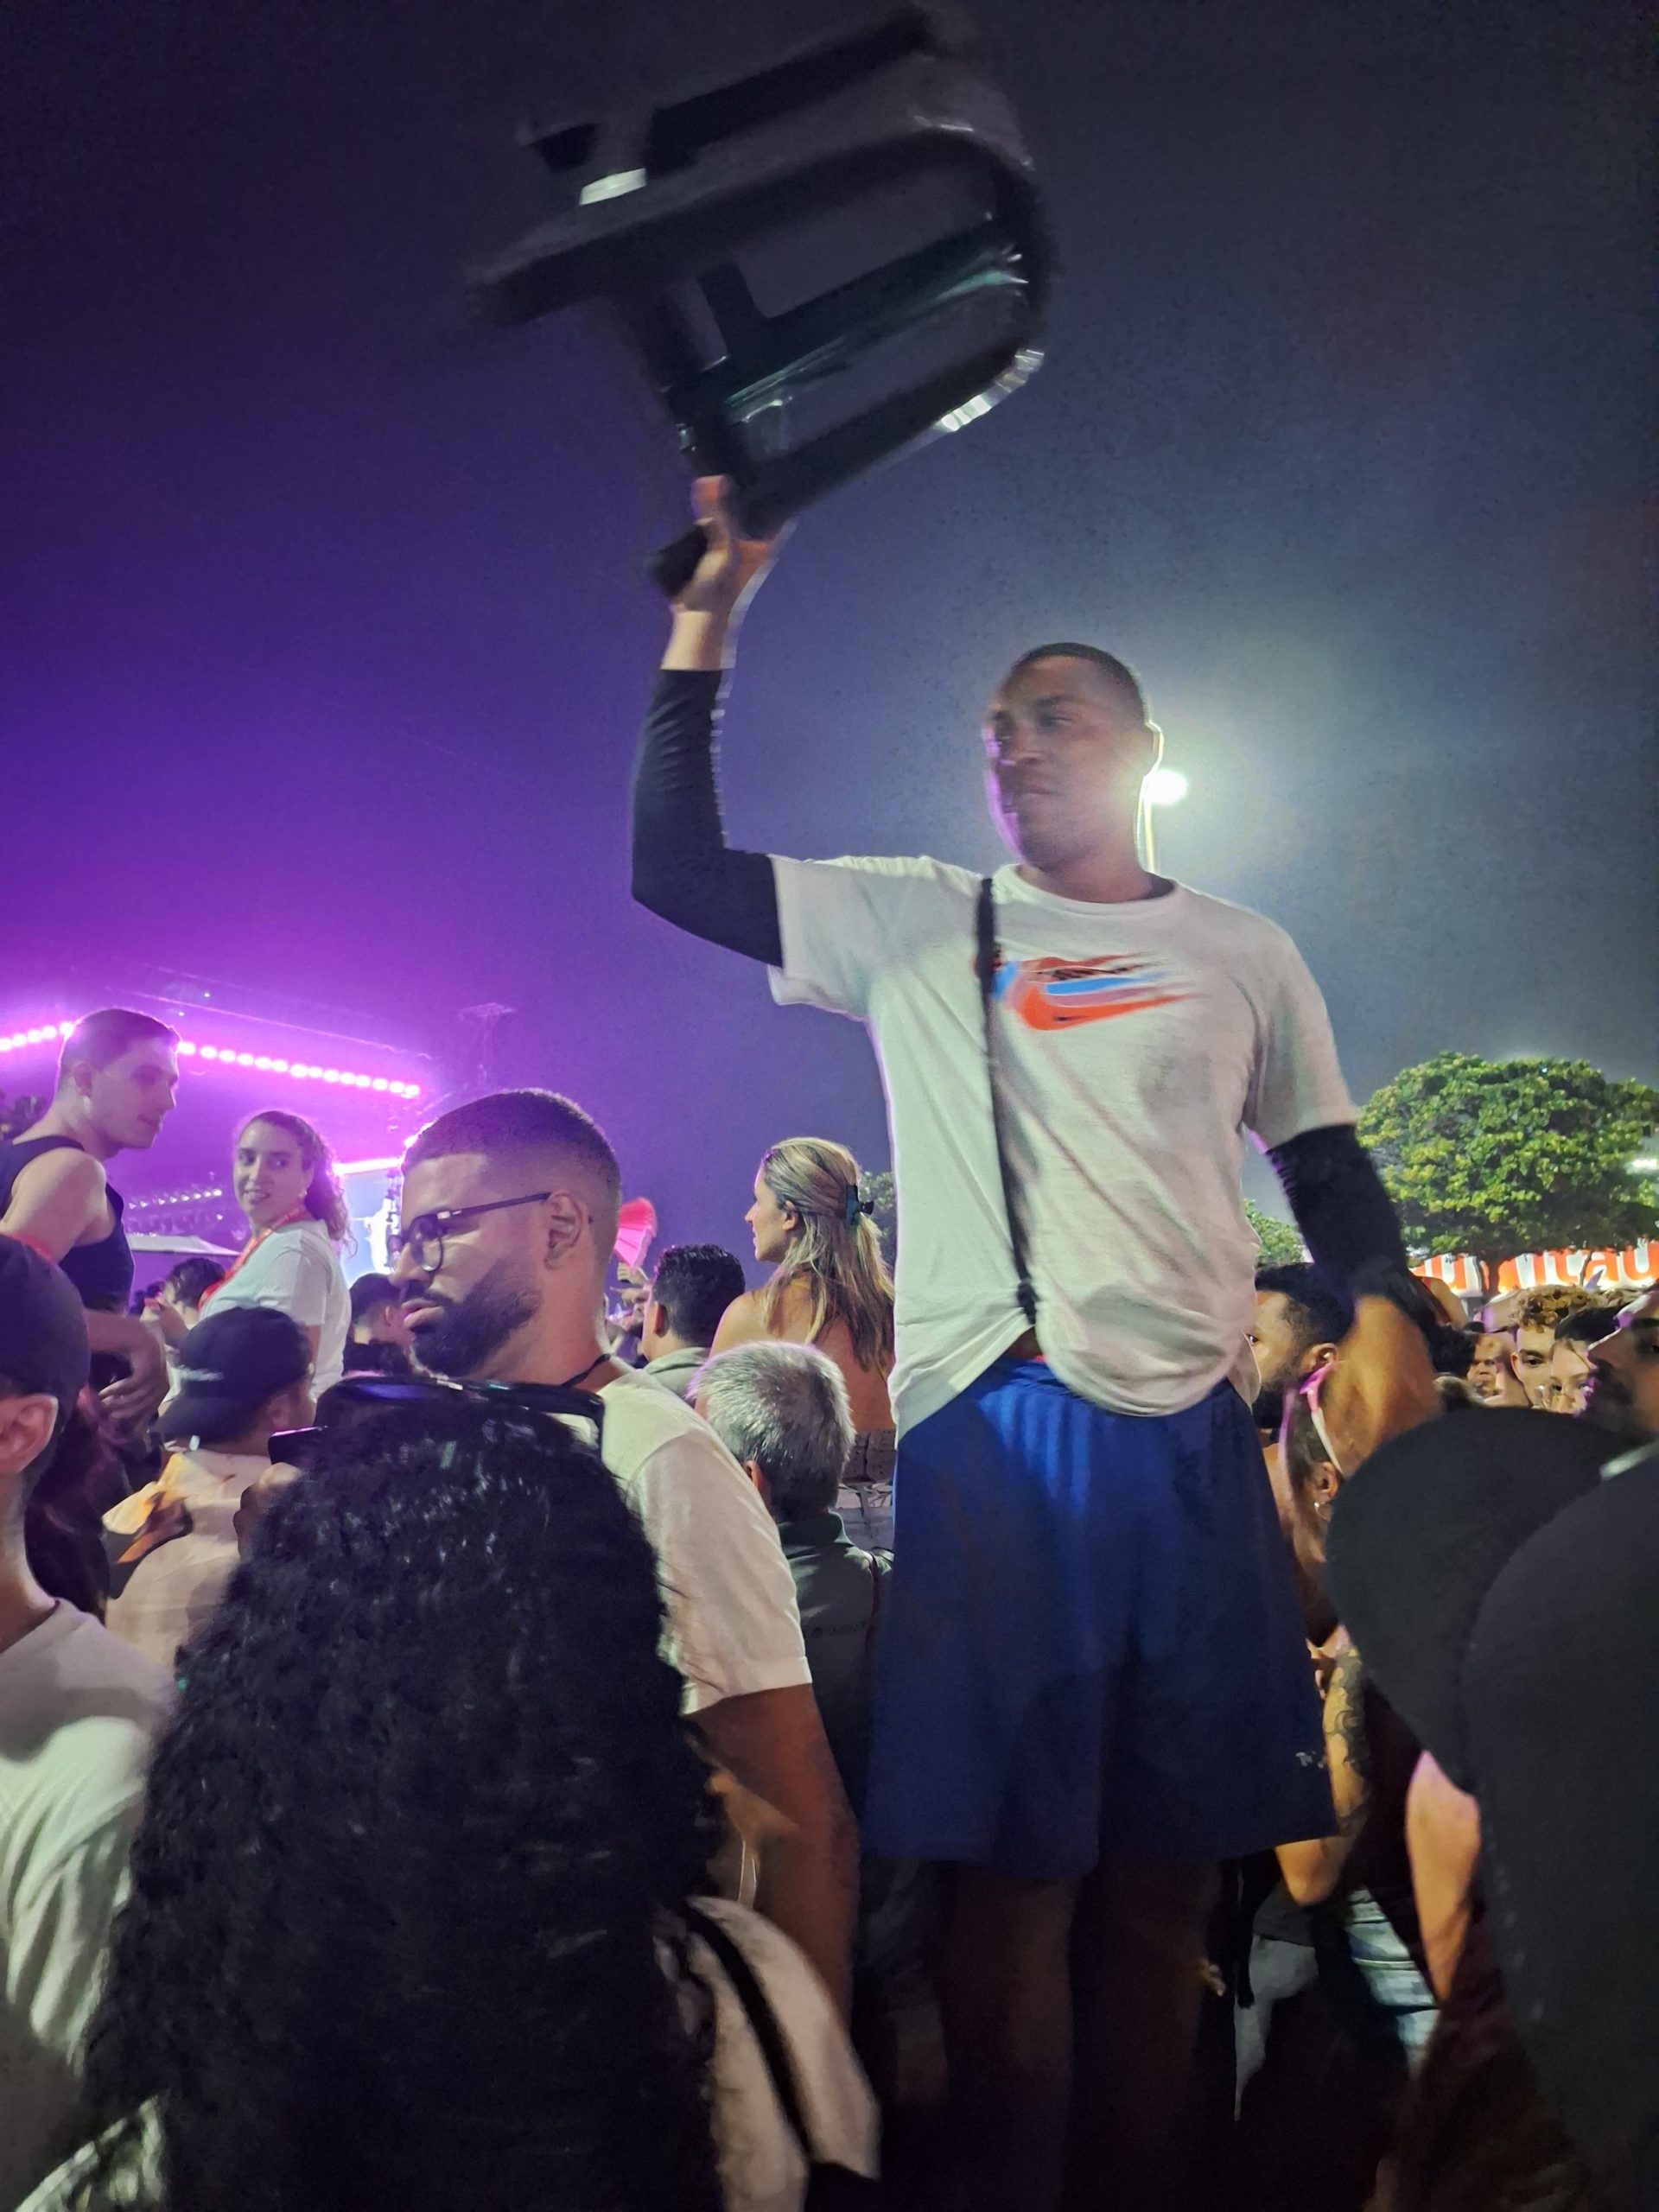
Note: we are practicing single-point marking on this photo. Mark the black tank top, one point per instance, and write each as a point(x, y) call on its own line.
point(102, 1273)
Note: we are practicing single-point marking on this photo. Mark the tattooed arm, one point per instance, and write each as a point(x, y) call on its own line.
point(1312, 1870)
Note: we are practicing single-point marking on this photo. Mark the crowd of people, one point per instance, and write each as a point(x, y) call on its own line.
point(1072, 1727)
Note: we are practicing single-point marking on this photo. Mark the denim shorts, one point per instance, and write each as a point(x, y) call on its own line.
point(1391, 1975)
point(1092, 1645)
point(865, 1499)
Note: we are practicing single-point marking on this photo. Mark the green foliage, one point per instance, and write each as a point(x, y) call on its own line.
point(1279, 1242)
point(879, 1191)
point(1496, 1157)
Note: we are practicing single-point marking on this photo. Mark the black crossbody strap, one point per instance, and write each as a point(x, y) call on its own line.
point(762, 2019)
point(985, 968)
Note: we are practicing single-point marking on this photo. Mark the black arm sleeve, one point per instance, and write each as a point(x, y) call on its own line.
point(682, 867)
point(1339, 1202)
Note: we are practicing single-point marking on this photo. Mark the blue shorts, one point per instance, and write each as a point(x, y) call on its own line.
point(1092, 1645)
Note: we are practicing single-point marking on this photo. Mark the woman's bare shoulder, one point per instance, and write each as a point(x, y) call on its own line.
point(755, 1318)
point(742, 1323)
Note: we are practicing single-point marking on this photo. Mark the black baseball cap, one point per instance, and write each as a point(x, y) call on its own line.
point(1420, 1533)
point(1560, 1697)
point(42, 1328)
point(228, 1365)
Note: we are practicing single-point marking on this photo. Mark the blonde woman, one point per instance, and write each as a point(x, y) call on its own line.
point(283, 1175)
point(830, 1287)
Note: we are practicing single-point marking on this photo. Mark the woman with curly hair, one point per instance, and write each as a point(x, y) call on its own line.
point(410, 1921)
point(283, 1175)
point(830, 1288)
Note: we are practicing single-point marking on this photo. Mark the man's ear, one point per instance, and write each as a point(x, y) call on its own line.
point(756, 1474)
point(656, 1321)
point(26, 1426)
point(565, 1219)
point(1316, 1356)
point(1323, 1483)
point(281, 1408)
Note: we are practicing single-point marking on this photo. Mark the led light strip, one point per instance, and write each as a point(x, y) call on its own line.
point(301, 1070)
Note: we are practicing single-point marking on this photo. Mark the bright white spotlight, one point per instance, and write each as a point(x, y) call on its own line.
point(1165, 787)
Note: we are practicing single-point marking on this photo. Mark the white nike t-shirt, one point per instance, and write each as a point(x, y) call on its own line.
point(1137, 1045)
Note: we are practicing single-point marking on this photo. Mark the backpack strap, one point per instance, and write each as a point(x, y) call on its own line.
point(762, 2019)
point(985, 966)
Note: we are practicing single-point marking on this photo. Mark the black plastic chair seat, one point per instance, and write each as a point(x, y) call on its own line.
point(670, 203)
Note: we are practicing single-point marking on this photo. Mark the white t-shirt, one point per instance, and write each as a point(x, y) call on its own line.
point(176, 1587)
point(297, 1270)
point(733, 1624)
point(1136, 1046)
point(761, 2168)
point(77, 1711)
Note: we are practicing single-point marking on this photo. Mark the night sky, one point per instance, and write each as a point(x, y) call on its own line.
point(325, 633)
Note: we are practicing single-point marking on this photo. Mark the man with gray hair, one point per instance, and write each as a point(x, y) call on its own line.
point(782, 1411)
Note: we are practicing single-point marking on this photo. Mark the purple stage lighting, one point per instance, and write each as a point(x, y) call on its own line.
point(364, 1097)
point(192, 1048)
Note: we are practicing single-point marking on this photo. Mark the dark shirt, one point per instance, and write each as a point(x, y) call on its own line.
point(102, 1273)
point(838, 1590)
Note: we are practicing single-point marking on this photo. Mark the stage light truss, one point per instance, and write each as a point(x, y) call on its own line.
point(175, 1198)
point(231, 1056)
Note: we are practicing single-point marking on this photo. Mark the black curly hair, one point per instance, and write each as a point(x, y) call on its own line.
point(414, 1853)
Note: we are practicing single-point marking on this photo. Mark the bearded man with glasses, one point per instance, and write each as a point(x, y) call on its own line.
point(509, 1218)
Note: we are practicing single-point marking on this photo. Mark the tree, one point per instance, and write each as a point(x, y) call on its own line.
point(1279, 1242)
point(878, 1191)
point(1495, 1157)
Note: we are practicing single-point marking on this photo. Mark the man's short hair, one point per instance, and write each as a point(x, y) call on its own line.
point(1321, 1311)
point(1127, 697)
point(528, 1124)
point(191, 1277)
point(100, 1038)
point(369, 1293)
point(694, 1285)
point(1457, 1396)
point(786, 1408)
point(1543, 1309)
point(1588, 1324)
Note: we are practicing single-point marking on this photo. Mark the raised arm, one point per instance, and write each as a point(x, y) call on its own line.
point(1339, 1202)
point(683, 867)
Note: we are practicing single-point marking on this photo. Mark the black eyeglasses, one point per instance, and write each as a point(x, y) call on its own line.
point(424, 1235)
point(523, 1410)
